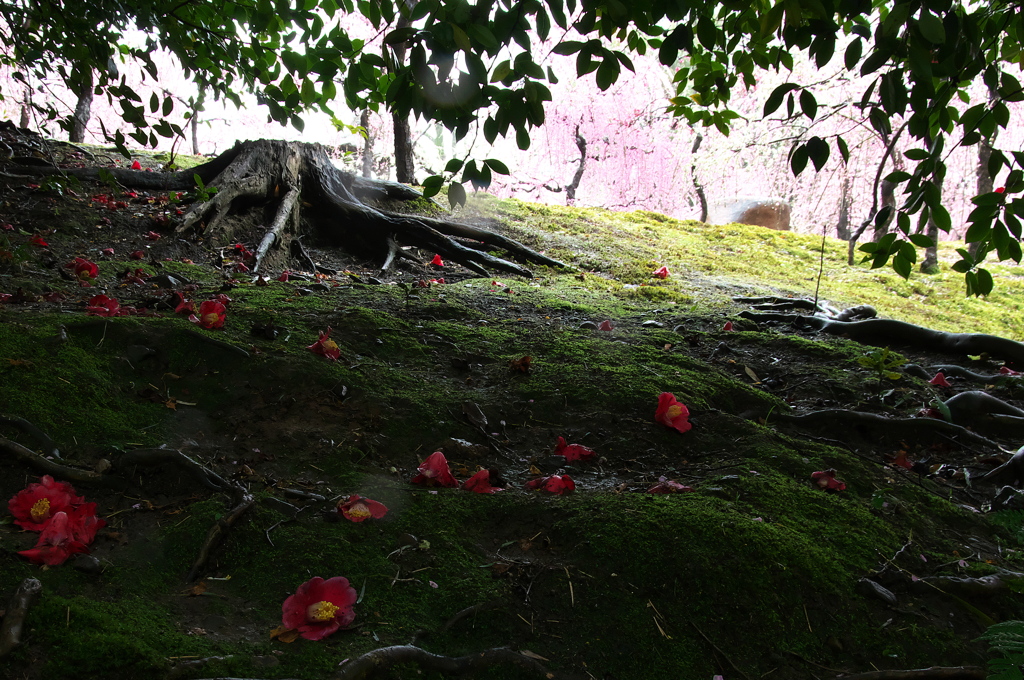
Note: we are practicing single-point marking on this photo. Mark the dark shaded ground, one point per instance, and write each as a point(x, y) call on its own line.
point(755, 573)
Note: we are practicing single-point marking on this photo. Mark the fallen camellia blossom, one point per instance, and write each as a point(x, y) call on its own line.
point(211, 315)
point(480, 483)
point(557, 484)
point(36, 504)
point(437, 261)
point(672, 413)
point(939, 380)
point(826, 479)
point(661, 273)
point(37, 240)
point(357, 508)
point(434, 471)
point(319, 608)
point(1005, 370)
point(326, 347)
point(574, 451)
point(109, 252)
point(727, 326)
point(605, 325)
point(56, 542)
point(901, 460)
point(136, 165)
point(669, 486)
point(85, 271)
point(138, 255)
point(284, 276)
point(101, 305)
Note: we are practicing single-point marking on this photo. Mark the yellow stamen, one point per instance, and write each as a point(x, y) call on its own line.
point(321, 611)
point(40, 510)
point(674, 411)
point(210, 319)
point(359, 510)
point(330, 345)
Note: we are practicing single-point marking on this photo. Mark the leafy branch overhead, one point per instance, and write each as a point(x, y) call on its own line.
point(468, 63)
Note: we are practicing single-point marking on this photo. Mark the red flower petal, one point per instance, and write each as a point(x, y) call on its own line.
point(136, 165)
point(661, 273)
point(826, 479)
point(212, 314)
point(480, 483)
point(669, 486)
point(574, 451)
point(556, 484)
point(56, 542)
point(358, 509)
point(319, 608)
point(605, 325)
point(939, 380)
point(437, 261)
point(33, 506)
point(434, 471)
point(672, 413)
point(326, 347)
point(727, 326)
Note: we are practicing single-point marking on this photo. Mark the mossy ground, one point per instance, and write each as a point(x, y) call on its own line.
point(754, 572)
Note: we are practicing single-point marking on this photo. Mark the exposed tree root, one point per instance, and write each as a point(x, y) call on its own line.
point(772, 303)
point(1010, 472)
point(984, 586)
point(933, 673)
point(48, 467)
point(149, 457)
point(14, 616)
point(982, 411)
point(881, 332)
point(379, 660)
point(895, 428)
point(31, 430)
point(953, 371)
point(303, 190)
point(218, 532)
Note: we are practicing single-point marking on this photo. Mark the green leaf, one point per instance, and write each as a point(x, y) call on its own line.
point(808, 104)
point(775, 98)
point(921, 240)
point(497, 166)
point(902, 266)
point(456, 194)
point(931, 27)
point(853, 54)
point(818, 151)
point(454, 165)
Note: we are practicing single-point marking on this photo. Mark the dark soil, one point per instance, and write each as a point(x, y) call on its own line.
point(756, 572)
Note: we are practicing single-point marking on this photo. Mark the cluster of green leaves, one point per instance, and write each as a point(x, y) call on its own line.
point(1007, 642)
point(884, 362)
point(463, 63)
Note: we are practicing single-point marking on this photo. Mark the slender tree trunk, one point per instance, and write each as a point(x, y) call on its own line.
point(570, 190)
point(697, 186)
point(405, 167)
point(364, 122)
point(930, 263)
point(984, 178)
point(26, 109)
point(843, 225)
point(83, 108)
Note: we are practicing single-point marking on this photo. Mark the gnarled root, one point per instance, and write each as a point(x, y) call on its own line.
point(14, 617)
point(49, 467)
point(369, 664)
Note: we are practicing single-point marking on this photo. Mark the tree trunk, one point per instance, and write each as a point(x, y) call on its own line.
point(405, 166)
point(83, 108)
point(697, 186)
point(26, 108)
point(570, 190)
point(984, 178)
point(364, 122)
point(843, 225)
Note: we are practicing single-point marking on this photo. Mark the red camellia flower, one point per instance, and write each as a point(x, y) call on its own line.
point(826, 479)
point(1001, 190)
point(136, 165)
point(284, 276)
point(661, 273)
point(605, 325)
point(434, 471)
point(437, 261)
point(37, 240)
point(671, 413)
point(109, 252)
point(558, 484)
point(326, 347)
point(211, 315)
point(1006, 370)
point(35, 505)
point(138, 255)
point(319, 608)
point(669, 486)
point(85, 271)
point(574, 451)
point(727, 326)
point(480, 483)
point(101, 305)
point(939, 380)
point(358, 509)
point(56, 543)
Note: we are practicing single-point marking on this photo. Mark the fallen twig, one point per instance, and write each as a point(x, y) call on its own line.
point(217, 534)
point(933, 673)
point(373, 662)
point(14, 617)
